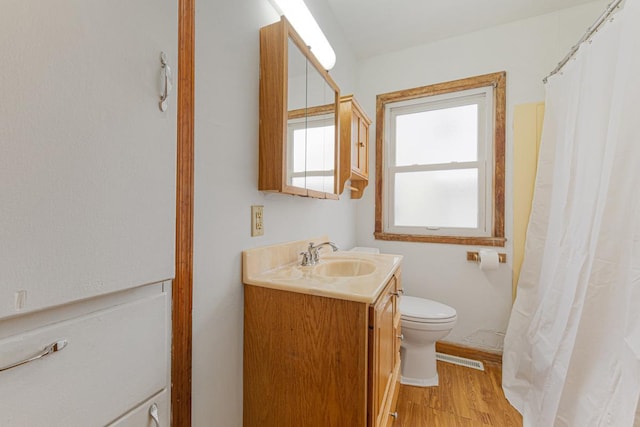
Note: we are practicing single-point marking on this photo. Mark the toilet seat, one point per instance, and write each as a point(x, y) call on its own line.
point(421, 310)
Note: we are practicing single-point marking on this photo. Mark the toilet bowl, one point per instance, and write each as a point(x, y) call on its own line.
point(423, 323)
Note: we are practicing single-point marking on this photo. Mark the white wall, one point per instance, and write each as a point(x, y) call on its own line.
point(226, 180)
point(227, 58)
point(226, 134)
point(527, 50)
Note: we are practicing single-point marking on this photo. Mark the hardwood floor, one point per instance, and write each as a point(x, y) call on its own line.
point(465, 397)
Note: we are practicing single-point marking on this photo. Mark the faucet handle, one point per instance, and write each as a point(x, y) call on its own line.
point(313, 253)
point(306, 260)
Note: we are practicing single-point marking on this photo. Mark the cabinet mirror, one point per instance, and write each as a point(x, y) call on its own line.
point(298, 148)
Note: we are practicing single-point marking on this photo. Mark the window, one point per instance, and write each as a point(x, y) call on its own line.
point(440, 162)
point(311, 149)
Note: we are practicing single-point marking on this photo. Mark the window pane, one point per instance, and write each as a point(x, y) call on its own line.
point(320, 158)
point(298, 181)
point(437, 136)
point(441, 199)
point(319, 183)
point(299, 150)
point(320, 148)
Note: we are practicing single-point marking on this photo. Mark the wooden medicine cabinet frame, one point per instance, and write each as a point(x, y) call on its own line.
point(354, 146)
point(273, 164)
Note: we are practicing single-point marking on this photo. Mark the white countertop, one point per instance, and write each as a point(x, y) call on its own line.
point(261, 268)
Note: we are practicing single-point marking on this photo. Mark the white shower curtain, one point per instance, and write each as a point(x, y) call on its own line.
point(572, 348)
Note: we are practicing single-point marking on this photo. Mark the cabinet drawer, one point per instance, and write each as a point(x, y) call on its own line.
point(115, 358)
point(141, 416)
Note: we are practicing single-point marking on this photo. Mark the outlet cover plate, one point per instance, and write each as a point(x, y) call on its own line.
point(257, 220)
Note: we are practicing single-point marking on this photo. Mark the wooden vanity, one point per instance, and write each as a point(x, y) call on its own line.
point(320, 351)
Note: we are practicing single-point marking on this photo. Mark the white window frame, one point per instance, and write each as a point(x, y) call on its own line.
point(483, 98)
point(306, 122)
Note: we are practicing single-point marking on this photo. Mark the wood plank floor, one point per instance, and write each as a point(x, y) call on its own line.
point(465, 397)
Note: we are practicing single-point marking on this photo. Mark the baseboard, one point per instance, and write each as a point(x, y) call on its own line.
point(468, 352)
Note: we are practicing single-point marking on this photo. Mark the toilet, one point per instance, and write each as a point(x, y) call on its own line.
point(423, 323)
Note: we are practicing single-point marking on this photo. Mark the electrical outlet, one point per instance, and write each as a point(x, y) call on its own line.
point(257, 220)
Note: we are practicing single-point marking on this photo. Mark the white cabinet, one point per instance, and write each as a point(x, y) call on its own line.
point(87, 207)
point(87, 159)
point(117, 356)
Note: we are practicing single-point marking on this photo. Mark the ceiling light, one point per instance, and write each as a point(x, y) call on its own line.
point(306, 26)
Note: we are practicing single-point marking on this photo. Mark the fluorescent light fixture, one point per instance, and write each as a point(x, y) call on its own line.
point(300, 17)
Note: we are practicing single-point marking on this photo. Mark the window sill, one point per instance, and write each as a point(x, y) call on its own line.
point(454, 240)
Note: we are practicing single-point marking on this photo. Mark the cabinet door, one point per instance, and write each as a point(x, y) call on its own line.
point(386, 339)
point(363, 147)
point(114, 359)
point(355, 148)
point(397, 322)
point(384, 349)
point(87, 159)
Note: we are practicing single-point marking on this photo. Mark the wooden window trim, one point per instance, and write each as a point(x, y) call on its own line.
point(498, 81)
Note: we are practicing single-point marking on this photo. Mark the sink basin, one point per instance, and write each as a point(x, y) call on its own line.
point(345, 268)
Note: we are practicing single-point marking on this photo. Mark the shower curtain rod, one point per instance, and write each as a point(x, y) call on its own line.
point(592, 29)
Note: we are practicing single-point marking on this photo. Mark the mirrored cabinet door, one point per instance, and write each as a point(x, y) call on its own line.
point(321, 134)
point(298, 118)
point(296, 140)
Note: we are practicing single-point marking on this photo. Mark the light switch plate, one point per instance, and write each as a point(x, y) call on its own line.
point(257, 220)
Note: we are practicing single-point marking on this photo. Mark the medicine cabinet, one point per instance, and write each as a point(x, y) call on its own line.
point(299, 104)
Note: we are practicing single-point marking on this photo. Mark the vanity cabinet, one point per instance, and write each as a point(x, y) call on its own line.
point(319, 361)
point(354, 146)
point(298, 131)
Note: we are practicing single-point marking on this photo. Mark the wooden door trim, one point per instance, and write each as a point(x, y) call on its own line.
point(182, 290)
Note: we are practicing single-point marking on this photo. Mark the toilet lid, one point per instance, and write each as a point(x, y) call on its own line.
point(425, 310)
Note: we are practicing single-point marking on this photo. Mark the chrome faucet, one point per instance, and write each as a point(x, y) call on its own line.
point(312, 256)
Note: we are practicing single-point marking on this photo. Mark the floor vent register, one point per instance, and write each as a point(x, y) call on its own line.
point(469, 363)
